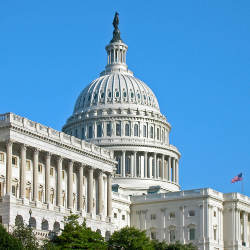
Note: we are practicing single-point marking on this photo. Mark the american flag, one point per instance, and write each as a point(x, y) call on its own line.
point(237, 178)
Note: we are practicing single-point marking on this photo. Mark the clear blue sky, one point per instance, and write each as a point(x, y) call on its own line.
point(195, 55)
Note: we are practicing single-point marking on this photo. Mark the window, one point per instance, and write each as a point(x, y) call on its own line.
point(99, 130)
point(132, 95)
point(51, 198)
point(40, 195)
point(108, 129)
point(115, 215)
point(153, 235)
point(1, 157)
point(116, 94)
point(51, 171)
point(27, 193)
point(171, 215)
point(83, 133)
point(127, 130)
point(102, 95)
point(215, 233)
point(191, 213)
point(192, 234)
point(144, 131)
point(1, 189)
point(13, 189)
point(110, 94)
point(40, 168)
point(123, 217)
point(76, 133)
point(151, 132)
point(158, 134)
point(14, 160)
point(90, 134)
point(28, 165)
point(172, 235)
point(214, 213)
point(153, 216)
point(118, 129)
point(63, 174)
point(136, 130)
point(124, 94)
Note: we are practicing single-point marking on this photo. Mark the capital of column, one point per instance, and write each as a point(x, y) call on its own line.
point(59, 158)
point(9, 142)
point(48, 155)
point(24, 147)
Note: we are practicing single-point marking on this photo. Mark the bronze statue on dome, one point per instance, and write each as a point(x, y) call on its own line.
point(116, 32)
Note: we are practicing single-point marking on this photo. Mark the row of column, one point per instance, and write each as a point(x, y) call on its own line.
point(116, 55)
point(81, 166)
point(152, 165)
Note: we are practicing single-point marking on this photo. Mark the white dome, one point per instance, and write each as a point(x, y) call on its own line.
point(116, 88)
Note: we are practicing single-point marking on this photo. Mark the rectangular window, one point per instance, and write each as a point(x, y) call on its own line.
point(108, 129)
point(14, 161)
point(63, 174)
point(28, 165)
point(52, 198)
point(76, 133)
point(123, 217)
point(40, 196)
point(51, 171)
point(153, 216)
point(90, 134)
point(40, 168)
point(144, 131)
point(115, 215)
point(99, 130)
point(153, 235)
point(13, 190)
point(158, 134)
point(191, 213)
point(1, 157)
point(191, 234)
point(172, 235)
point(151, 132)
point(171, 215)
point(27, 193)
point(215, 233)
point(118, 129)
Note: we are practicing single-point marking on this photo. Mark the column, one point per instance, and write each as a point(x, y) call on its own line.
point(162, 167)
point(155, 165)
point(70, 184)
point(173, 168)
point(135, 165)
point(109, 195)
point(100, 192)
point(177, 171)
point(35, 174)
point(150, 167)
point(47, 177)
point(139, 166)
point(23, 172)
point(90, 191)
point(169, 168)
point(80, 177)
point(123, 163)
point(9, 167)
point(245, 218)
point(146, 164)
point(59, 181)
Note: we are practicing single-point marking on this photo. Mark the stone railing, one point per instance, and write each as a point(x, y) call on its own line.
point(119, 196)
point(54, 134)
point(178, 195)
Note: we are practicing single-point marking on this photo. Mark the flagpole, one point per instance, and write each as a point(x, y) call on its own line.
point(242, 187)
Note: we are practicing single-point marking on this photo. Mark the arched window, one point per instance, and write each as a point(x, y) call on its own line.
point(151, 132)
point(127, 129)
point(102, 95)
point(127, 165)
point(132, 95)
point(116, 94)
point(124, 94)
point(107, 235)
point(19, 220)
point(45, 225)
point(109, 94)
point(118, 129)
point(109, 129)
point(90, 132)
point(136, 130)
point(99, 130)
point(32, 222)
point(56, 226)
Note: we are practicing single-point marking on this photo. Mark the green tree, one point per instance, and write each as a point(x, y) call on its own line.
point(76, 236)
point(130, 238)
point(174, 246)
point(8, 242)
point(25, 235)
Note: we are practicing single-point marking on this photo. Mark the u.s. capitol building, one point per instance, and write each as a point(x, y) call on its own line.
point(113, 164)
